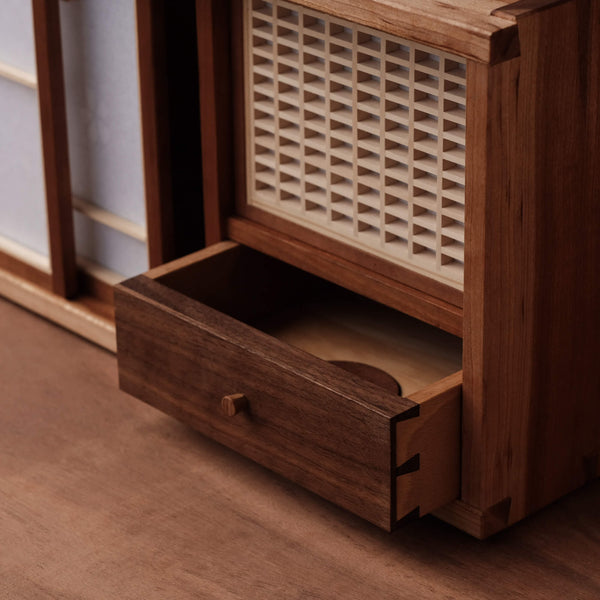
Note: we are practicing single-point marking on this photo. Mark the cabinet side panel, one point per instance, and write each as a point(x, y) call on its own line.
point(498, 312)
point(531, 410)
point(565, 417)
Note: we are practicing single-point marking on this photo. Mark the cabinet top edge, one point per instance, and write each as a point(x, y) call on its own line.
point(480, 30)
point(522, 8)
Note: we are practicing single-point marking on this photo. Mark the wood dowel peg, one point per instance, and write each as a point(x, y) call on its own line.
point(234, 404)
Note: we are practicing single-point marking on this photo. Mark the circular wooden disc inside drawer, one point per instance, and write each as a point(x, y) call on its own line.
point(373, 374)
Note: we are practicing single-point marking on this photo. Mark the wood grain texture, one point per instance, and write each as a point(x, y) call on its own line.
point(484, 394)
point(295, 411)
point(433, 439)
point(390, 269)
point(478, 523)
point(312, 314)
point(51, 90)
point(179, 265)
point(531, 420)
point(464, 27)
point(104, 497)
point(348, 274)
point(237, 281)
point(345, 327)
point(307, 419)
point(373, 374)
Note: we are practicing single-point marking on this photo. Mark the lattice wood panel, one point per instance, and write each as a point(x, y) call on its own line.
point(357, 134)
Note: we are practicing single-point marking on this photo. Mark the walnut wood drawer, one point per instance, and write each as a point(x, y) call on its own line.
point(199, 329)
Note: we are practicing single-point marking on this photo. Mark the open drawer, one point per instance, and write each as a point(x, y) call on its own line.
point(238, 344)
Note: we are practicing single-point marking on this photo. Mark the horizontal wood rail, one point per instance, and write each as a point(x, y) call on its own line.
point(109, 219)
point(25, 254)
point(18, 75)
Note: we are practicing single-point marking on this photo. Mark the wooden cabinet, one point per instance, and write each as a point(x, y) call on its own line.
point(403, 182)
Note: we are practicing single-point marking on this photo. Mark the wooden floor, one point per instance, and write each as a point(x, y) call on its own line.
point(104, 497)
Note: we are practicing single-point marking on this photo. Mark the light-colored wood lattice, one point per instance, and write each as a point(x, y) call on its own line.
point(357, 134)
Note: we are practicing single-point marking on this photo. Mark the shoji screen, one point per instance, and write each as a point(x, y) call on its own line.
point(23, 224)
point(104, 127)
point(357, 134)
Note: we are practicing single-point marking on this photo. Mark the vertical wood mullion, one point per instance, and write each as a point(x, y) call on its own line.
point(51, 96)
point(155, 135)
point(303, 149)
point(411, 149)
point(355, 186)
point(382, 137)
point(440, 164)
point(213, 20)
point(328, 142)
point(276, 124)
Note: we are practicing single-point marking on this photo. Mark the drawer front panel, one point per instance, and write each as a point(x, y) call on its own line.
point(322, 427)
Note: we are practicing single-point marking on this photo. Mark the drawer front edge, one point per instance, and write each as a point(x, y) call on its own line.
point(428, 459)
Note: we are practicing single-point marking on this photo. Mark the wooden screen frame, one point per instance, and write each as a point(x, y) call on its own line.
point(64, 279)
point(228, 216)
point(155, 139)
point(51, 89)
point(66, 295)
point(170, 131)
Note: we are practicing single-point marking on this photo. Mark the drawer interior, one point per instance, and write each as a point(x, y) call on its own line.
point(317, 316)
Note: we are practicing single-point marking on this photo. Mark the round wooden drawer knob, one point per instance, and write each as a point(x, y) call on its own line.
point(234, 404)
